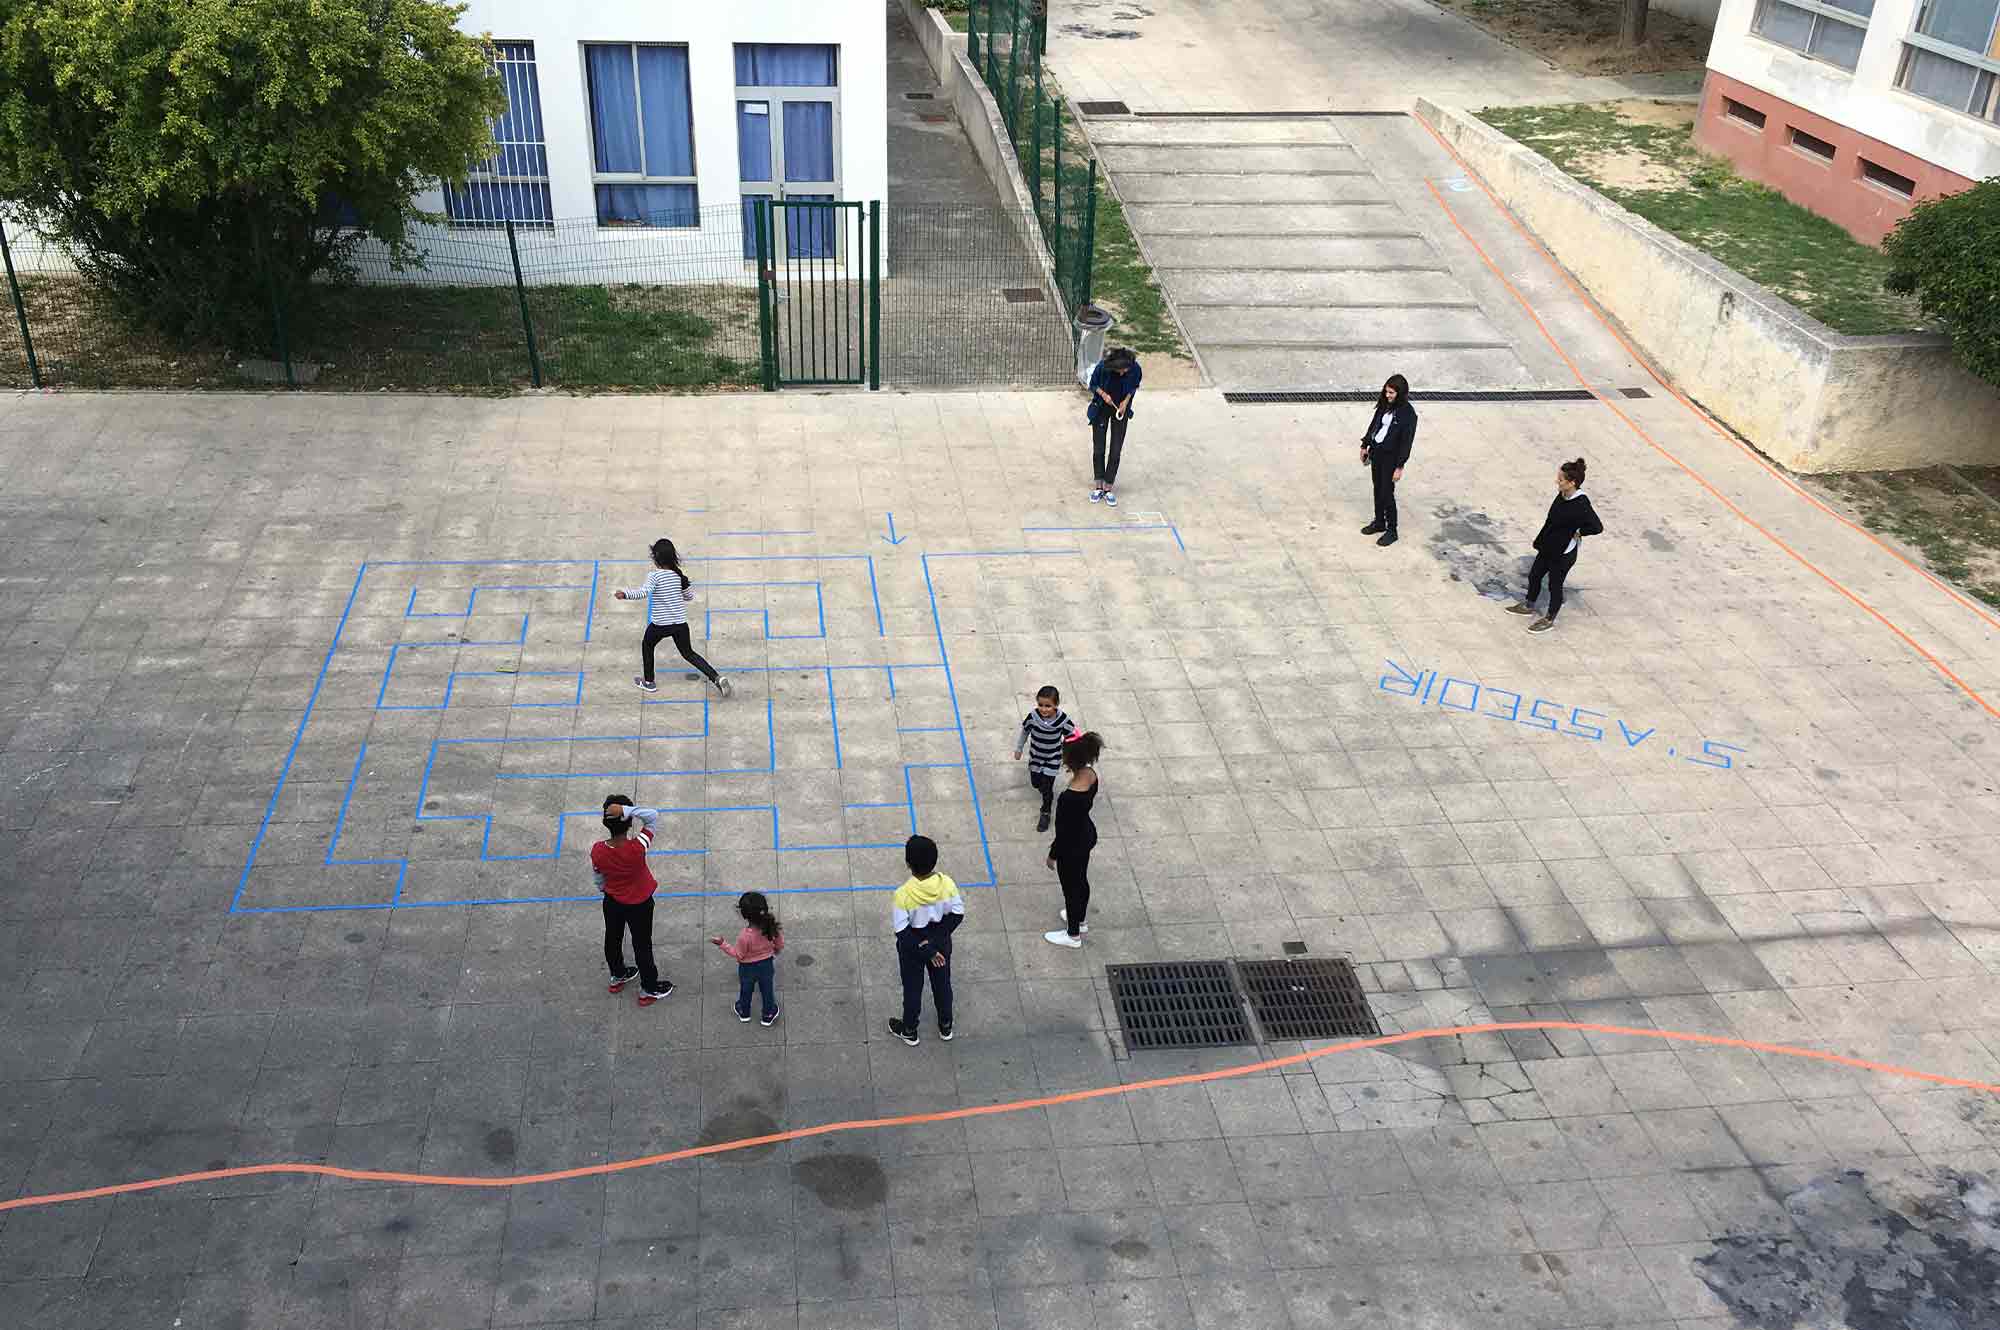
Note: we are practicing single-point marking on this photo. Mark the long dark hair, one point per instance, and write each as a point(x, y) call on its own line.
point(1082, 750)
point(1402, 387)
point(666, 556)
point(757, 911)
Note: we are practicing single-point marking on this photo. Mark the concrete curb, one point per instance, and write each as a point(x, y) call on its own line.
point(1812, 399)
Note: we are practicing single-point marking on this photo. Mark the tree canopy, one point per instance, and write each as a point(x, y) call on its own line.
point(185, 151)
point(1947, 253)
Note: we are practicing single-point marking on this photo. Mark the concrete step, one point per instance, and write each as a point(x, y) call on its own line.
point(1162, 219)
point(1294, 252)
point(1272, 158)
point(1184, 130)
point(1151, 187)
point(1331, 327)
point(1269, 286)
point(1363, 370)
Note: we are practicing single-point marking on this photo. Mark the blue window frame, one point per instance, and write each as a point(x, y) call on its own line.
point(514, 184)
point(641, 135)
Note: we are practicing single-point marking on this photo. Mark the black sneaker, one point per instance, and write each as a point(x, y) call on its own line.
point(908, 1034)
point(644, 685)
point(619, 981)
point(944, 1031)
point(1386, 538)
point(743, 1014)
point(770, 1018)
point(1372, 529)
point(1042, 823)
point(648, 996)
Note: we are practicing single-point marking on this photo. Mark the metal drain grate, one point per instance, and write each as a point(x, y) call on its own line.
point(1307, 999)
point(1633, 392)
point(1448, 395)
point(919, 96)
point(1178, 1004)
point(1103, 108)
point(1022, 295)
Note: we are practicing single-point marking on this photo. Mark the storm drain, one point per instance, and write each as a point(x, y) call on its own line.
point(1178, 1004)
point(1103, 108)
point(1307, 999)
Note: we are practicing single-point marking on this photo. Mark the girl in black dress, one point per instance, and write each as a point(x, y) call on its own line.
point(1570, 519)
point(1076, 836)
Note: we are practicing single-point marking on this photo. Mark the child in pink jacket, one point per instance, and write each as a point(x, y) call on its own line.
point(756, 951)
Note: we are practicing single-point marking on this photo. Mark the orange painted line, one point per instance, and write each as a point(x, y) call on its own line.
point(1644, 362)
point(1692, 474)
point(980, 1111)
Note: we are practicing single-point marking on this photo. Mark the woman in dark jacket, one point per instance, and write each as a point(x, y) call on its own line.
point(1570, 519)
point(1385, 450)
point(1076, 837)
point(1113, 384)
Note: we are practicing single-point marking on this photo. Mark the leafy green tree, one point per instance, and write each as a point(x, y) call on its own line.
point(185, 152)
point(1947, 254)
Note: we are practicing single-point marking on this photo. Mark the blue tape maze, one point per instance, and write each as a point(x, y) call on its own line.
point(1429, 688)
point(470, 717)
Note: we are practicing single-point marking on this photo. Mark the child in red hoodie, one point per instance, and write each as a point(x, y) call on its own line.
point(756, 951)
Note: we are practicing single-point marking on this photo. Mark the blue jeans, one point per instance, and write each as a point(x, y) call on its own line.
point(762, 976)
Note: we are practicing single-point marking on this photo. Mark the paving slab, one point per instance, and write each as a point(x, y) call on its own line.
point(1236, 325)
point(1215, 219)
point(1399, 251)
point(1246, 187)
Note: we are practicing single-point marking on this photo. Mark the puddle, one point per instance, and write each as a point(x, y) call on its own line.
point(843, 1181)
point(735, 1124)
point(1467, 543)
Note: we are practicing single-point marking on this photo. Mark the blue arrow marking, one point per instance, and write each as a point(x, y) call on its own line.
point(892, 537)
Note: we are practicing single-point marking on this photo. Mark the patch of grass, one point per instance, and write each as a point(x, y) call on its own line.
point(1122, 281)
point(421, 338)
point(1953, 523)
point(954, 12)
point(1655, 171)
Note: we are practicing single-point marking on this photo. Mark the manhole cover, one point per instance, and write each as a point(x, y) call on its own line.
point(1307, 999)
point(1177, 1004)
point(1103, 108)
point(1022, 295)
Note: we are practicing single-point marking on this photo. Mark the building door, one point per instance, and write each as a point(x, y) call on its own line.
point(788, 145)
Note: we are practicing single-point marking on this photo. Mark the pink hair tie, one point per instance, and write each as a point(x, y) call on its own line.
point(1072, 736)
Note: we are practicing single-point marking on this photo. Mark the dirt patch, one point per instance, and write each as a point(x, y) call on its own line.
point(1629, 168)
point(1581, 36)
point(1947, 515)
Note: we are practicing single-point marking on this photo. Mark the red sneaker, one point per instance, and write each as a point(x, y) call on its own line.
point(618, 985)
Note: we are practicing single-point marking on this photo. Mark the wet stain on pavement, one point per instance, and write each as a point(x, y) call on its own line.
point(843, 1181)
point(500, 1145)
point(1467, 543)
point(745, 1119)
point(1658, 540)
point(1869, 1254)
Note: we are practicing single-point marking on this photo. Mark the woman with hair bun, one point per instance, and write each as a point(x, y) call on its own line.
point(1570, 519)
point(1076, 836)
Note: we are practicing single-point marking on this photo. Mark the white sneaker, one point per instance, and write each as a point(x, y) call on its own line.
point(1062, 939)
point(723, 686)
point(1064, 916)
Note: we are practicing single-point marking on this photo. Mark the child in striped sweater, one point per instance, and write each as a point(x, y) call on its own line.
point(1043, 731)
point(667, 593)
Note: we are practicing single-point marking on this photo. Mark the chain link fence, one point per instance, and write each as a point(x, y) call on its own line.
point(1005, 40)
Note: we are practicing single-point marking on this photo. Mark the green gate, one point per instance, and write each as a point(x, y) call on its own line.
point(819, 292)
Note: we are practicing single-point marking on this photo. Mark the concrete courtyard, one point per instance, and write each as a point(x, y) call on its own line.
point(211, 609)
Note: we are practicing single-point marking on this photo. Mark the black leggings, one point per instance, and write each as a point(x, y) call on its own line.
point(1073, 871)
point(1556, 567)
point(1385, 495)
point(618, 917)
point(682, 643)
point(1104, 464)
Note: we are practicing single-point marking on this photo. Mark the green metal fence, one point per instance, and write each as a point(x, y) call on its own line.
point(1005, 40)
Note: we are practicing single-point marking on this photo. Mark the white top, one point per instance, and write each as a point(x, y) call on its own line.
point(1574, 540)
point(666, 603)
point(1388, 419)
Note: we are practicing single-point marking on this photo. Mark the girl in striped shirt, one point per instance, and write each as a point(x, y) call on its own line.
point(666, 593)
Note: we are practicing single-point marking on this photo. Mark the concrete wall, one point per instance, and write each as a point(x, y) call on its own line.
point(1836, 189)
point(1808, 397)
point(1866, 100)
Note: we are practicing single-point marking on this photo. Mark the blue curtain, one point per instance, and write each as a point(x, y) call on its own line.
point(497, 201)
point(614, 108)
point(519, 129)
point(753, 141)
point(786, 66)
point(750, 206)
point(809, 232)
point(663, 101)
point(809, 141)
point(647, 205)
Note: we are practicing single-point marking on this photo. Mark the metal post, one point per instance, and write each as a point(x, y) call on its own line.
point(277, 308)
point(1012, 101)
point(875, 297)
point(1053, 234)
point(992, 61)
point(521, 291)
point(767, 335)
point(1035, 171)
point(972, 32)
point(1089, 235)
point(20, 309)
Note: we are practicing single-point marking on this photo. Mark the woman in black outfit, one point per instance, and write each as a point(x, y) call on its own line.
point(1076, 836)
point(1385, 450)
point(1570, 519)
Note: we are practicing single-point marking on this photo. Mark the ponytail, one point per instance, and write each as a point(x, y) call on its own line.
point(666, 556)
point(756, 911)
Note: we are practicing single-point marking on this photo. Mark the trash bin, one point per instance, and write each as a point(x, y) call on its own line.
point(1092, 323)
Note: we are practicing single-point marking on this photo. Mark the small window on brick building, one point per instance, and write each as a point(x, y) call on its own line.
point(1896, 183)
point(1748, 116)
point(1812, 145)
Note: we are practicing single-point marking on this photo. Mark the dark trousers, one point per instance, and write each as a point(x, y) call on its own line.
point(1385, 494)
point(1102, 465)
point(1555, 567)
point(1045, 781)
point(639, 918)
point(761, 976)
point(915, 965)
point(1073, 871)
point(682, 643)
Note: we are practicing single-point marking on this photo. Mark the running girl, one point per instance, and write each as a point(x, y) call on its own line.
point(666, 593)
